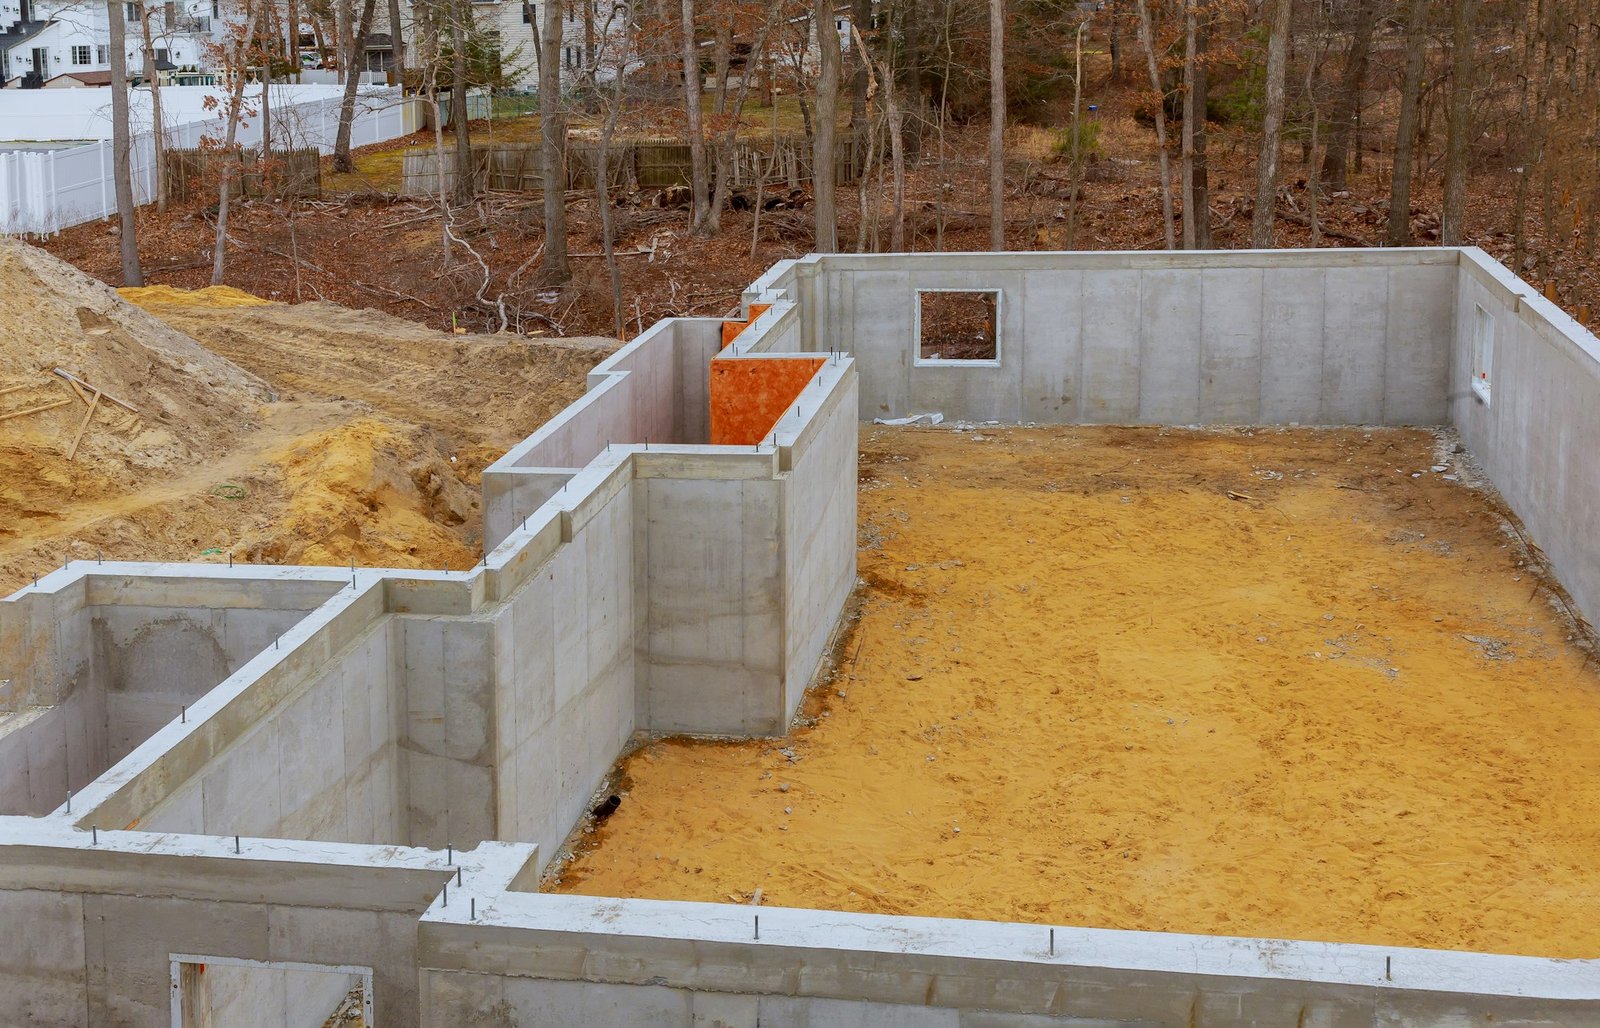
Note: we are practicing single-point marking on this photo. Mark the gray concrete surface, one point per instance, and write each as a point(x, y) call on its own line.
point(1224, 337)
point(1537, 436)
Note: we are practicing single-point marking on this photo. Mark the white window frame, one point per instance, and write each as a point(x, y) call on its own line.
point(943, 362)
point(85, 51)
point(1483, 330)
point(101, 54)
point(177, 960)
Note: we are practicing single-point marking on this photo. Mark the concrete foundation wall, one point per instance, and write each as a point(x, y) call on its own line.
point(104, 920)
point(123, 660)
point(325, 764)
point(563, 650)
point(682, 587)
point(578, 960)
point(653, 390)
point(1537, 436)
point(1235, 337)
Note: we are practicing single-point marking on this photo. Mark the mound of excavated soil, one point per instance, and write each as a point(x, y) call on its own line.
point(370, 452)
point(190, 402)
point(486, 392)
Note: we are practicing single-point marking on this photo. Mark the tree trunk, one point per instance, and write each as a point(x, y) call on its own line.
point(722, 56)
point(602, 185)
point(1148, 42)
point(1532, 32)
point(553, 135)
point(240, 67)
point(1262, 218)
point(1191, 216)
point(1405, 140)
point(264, 33)
point(1458, 134)
point(823, 175)
point(861, 23)
point(466, 188)
point(294, 39)
point(997, 125)
point(1077, 137)
point(158, 146)
point(698, 184)
point(397, 43)
point(122, 144)
point(1342, 120)
point(352, 78)
point(1200, 177)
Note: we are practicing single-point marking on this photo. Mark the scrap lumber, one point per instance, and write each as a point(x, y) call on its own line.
point(73, 452)
point(34, 410)
point(70, 377)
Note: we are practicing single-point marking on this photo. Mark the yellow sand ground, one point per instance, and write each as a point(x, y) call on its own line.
point(1088, 686)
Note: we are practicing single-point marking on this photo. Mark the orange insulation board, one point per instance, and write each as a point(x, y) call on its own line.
point(749, 395)
point(731, 329)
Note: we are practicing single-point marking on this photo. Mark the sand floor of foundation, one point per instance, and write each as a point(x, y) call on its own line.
point(1280, 683)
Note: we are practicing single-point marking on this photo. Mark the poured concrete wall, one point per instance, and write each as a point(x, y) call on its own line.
point(1237, 337)
point(112, 660)
point(653, 390)
point(325, 764)
point(104, 919)
point(539, 959)
point(1537, 436)
point(563, 653)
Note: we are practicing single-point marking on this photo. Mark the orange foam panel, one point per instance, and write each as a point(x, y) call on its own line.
point(731, 329)
point(748, 396)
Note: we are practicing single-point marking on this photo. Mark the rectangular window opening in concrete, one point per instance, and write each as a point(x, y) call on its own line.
point(1482, 351)
point(958, 326)
point(212, 992)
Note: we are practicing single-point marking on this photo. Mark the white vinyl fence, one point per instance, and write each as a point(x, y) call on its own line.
point(43, 192)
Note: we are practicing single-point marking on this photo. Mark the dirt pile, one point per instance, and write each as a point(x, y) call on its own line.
point(362, 440)
point(190, 401)
point(487, 392)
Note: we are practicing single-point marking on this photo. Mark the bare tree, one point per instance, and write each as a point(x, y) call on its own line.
point(152, 78)
point(997, 125)
point(696, 131)
point(1347, 102)
point(121, 144)
point(1458, 135)
point(355, 51)
point(1262, 218)
point(824, 175)
point(1148, 41)
point(460, 25)
point(236, 52)
point(553, 135)
point(397, 42)
point(1405, 137)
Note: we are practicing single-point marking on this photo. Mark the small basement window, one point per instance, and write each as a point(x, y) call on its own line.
point(958, 326)
point(1482, 353)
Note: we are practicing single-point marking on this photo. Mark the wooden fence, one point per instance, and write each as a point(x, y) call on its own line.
point(631, 164)
point(290, 172)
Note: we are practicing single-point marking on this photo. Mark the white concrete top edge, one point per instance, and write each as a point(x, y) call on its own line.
point(16, 830)
point(1531, 302)
point(1382, 967)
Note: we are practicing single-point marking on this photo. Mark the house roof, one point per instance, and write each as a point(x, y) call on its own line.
point(379, 41)
point(88, 78)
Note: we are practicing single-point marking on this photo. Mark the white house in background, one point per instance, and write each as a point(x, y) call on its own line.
point(514, 21)
point(61, 42)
